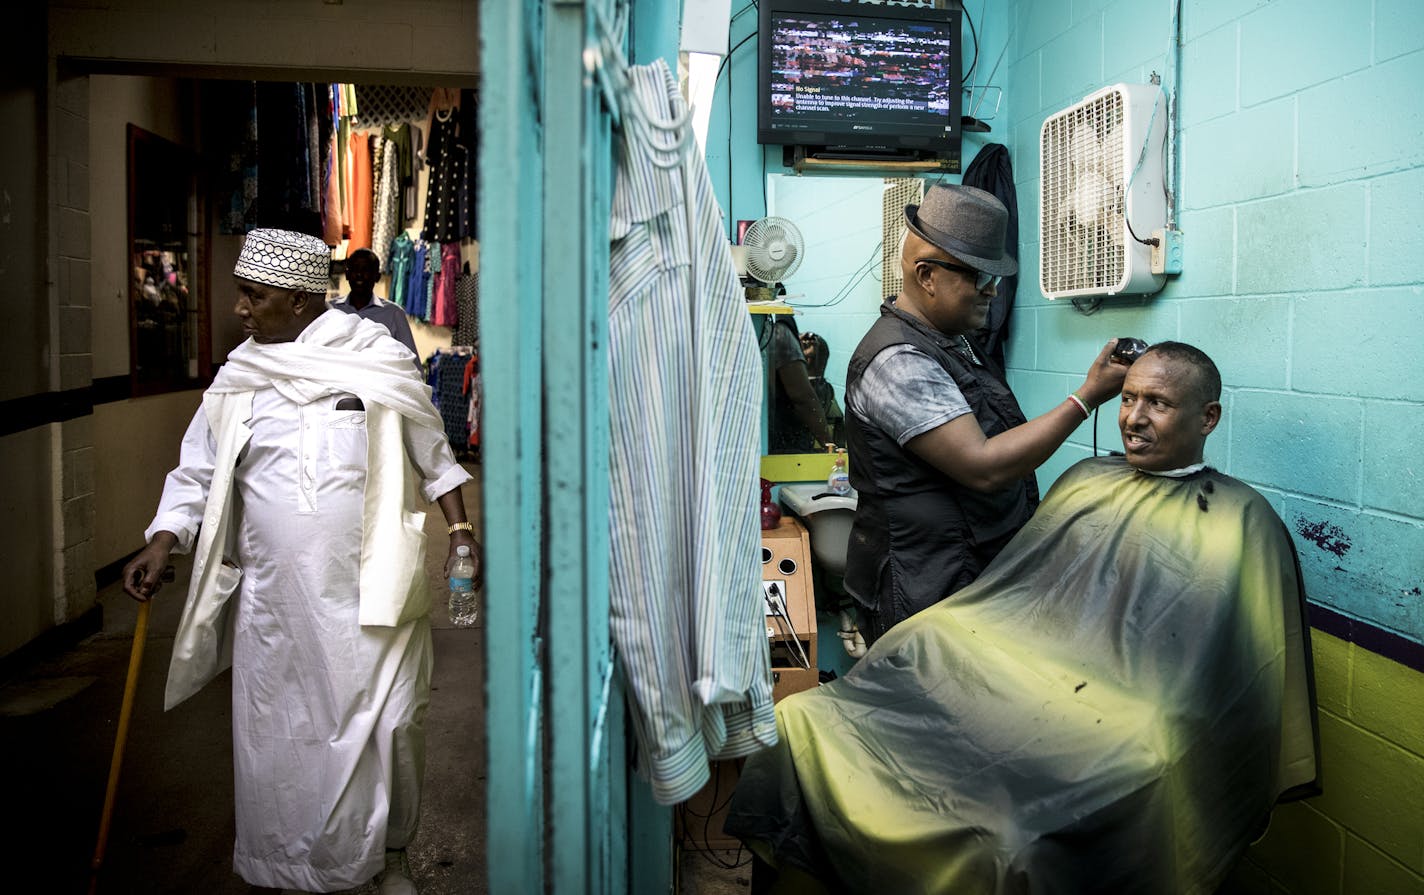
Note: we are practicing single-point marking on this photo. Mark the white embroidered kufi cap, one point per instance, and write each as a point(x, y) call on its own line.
point(285, 259)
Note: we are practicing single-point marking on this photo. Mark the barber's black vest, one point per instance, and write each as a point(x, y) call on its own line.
point(919, 536)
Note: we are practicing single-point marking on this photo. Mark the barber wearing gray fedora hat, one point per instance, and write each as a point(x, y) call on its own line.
point(940, 453)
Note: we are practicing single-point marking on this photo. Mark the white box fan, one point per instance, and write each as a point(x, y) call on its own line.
point(1103, 181)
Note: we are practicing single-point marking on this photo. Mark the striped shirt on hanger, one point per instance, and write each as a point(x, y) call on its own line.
point(685, 399)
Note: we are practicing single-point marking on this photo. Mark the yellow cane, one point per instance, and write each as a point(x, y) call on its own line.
point(125, 710)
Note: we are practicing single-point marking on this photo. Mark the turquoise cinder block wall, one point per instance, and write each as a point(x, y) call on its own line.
point(1302, 171)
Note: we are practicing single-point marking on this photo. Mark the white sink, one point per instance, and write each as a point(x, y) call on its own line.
point(828, 517)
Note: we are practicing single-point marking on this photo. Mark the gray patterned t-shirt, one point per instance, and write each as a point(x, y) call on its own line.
point(906, 393)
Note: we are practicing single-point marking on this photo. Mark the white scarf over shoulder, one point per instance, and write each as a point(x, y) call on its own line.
point(338, 353)
point(334, 351)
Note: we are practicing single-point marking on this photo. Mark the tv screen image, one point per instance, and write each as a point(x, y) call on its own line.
point(842, 77)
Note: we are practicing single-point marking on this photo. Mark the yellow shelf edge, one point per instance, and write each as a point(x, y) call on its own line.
point(769, 309)
point(797, 467)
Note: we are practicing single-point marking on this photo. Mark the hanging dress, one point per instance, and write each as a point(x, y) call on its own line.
point(360, 151)
point(467, 304)
point(387, 214)
point(418, 284)
point(402, 259)
point(446, 158)
point(443, 311)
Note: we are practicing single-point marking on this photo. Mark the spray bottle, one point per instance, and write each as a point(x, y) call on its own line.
point(838, 482)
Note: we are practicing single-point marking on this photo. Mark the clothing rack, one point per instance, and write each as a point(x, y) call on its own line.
point(454, 378)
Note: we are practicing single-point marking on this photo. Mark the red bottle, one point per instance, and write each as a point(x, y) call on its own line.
point(770, 512)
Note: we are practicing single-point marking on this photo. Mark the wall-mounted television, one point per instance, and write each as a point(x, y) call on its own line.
point(849, 78)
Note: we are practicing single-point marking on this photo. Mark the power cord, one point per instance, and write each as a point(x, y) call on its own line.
point(723, 65)
point(716, 804)
point(975, 34)
point(776, 601)
point(866, 268)
point(1141, 157)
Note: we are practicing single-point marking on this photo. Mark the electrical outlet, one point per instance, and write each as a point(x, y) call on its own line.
point(774, 593)
point(1167, 253)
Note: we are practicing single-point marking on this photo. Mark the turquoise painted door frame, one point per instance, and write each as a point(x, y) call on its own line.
point(511, 341)
point(563, 813)
point(577, 173)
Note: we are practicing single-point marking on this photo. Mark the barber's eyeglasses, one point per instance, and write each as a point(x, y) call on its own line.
point(982, 280)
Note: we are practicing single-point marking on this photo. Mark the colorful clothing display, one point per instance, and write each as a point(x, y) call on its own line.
point(315, 171)
point(1114, 706)
point(290, 156)
point(455, 388)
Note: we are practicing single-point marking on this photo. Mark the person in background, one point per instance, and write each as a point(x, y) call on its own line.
point(797, 425)
point(297, 479)
point(940, 453)
point(817, 354)
point(363, 271)
point(1115, 706)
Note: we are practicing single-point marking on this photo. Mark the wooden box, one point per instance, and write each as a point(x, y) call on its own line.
point(786, 564)
point(786, 579)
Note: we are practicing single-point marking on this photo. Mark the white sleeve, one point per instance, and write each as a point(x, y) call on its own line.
point(185, 491)
point(430, 451)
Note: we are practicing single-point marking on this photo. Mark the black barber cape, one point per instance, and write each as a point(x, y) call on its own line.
point(1114, 706)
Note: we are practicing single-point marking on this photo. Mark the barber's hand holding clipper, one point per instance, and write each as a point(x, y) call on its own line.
point(962, 451)
point(1106, 375)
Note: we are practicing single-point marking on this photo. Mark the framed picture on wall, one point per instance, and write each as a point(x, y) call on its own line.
point(169, 345)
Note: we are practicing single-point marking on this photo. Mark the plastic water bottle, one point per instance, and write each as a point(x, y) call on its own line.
point(838, 482)
point(464, 601)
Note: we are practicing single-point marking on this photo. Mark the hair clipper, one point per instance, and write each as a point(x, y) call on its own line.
point(1128, 349)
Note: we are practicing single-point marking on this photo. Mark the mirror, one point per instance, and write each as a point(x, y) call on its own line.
point(167, 346)
point(836, 296)
point(803, 411)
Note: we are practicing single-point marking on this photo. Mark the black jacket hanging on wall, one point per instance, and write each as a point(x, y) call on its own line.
point(991, 170)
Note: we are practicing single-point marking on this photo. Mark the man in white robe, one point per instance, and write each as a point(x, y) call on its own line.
point(297, 480)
